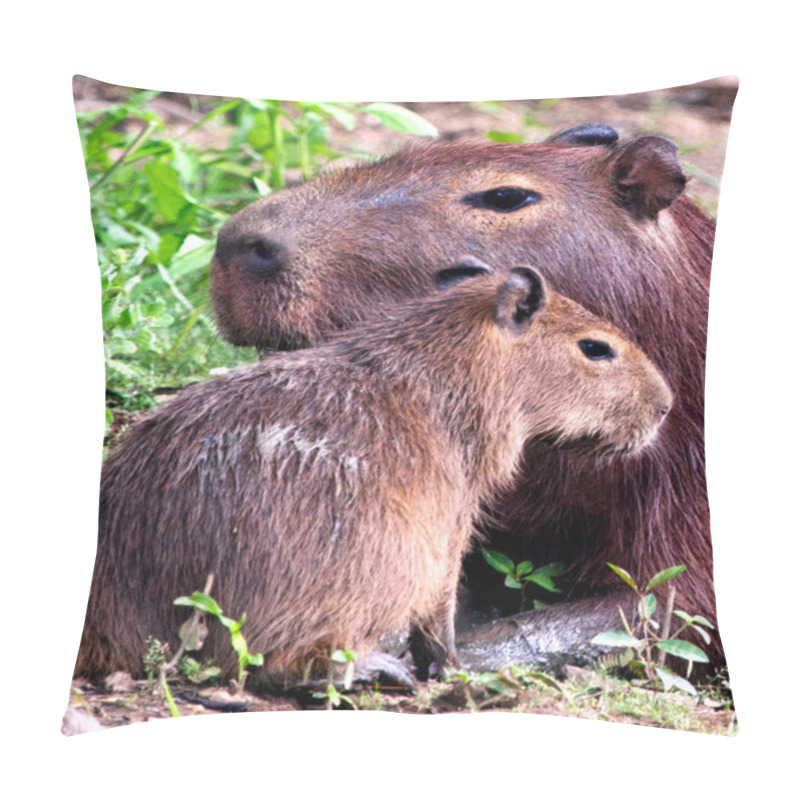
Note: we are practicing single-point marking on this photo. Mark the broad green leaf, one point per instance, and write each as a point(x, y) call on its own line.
point(169, 245)
point(523, 568)
point(616, 639)
point(703, 634)
point(681, 649)
point(512, 582)
point(202, 601)
point(553, 570)
point(163, 182)
point(647, 606)
point(399, 118)
point(501, 562)
point(344, 117)
point(544, 581)
point(626, 576)
point(664, 576)
point(671, 680)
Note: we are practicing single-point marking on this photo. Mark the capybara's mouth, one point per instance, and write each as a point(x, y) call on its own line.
point(598, 446)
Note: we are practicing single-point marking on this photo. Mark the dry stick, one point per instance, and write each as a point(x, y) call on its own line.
point(190, 631)
point(662, 656)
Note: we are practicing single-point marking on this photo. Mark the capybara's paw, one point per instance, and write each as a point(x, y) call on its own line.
point(384, 669)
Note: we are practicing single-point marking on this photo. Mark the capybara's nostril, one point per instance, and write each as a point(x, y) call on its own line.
point(262, 256)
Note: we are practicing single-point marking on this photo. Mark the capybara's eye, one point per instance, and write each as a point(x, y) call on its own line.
point(505, 198)
point(596, 350)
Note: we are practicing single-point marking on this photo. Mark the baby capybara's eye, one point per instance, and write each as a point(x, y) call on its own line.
point(596, 350)
point(505, 198)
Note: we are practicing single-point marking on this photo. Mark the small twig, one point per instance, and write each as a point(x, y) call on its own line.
point(197, 614)
point(165, 668)
point(662, 656)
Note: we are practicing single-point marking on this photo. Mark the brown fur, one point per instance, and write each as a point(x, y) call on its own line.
point(332, 491)
point(610, 231)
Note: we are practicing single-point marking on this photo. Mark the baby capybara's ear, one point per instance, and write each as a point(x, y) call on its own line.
point(519, 298)
point(647, 176)
point(466, 268)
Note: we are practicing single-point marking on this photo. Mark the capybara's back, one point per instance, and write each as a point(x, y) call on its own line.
point(332, 491)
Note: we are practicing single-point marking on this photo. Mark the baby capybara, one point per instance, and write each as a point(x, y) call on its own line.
point(333, 491)
point(608, 226)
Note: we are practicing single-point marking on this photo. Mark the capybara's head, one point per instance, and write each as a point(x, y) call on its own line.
point(575, 379)
point(294, 266)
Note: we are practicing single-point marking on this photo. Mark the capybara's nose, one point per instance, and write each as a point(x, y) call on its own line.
point(244, 245)
point(260, 255)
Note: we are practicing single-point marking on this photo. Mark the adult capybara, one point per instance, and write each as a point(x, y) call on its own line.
point(608, 226)
point(332, 491)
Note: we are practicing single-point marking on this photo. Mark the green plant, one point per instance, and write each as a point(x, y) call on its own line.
point(512, 681)
point(196, 672)
point(155, 657)
point(645, 635)
point(332, 696)
point(208, 605)
point(518, 575)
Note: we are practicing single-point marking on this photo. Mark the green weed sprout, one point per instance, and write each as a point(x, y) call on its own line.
point(518, 575)
point(645, 634)
point(332, 696)
point(206, 604)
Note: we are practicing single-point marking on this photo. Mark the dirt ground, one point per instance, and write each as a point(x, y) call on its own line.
point(583, 694)
point(697, 118)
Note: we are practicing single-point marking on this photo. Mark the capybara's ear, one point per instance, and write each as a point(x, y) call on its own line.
point(519, 298)
point(590, 135)
point(467, 267)
point(647, 175)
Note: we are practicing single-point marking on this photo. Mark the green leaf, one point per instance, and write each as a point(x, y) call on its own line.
point(544, 581)
point(343, 656)
point(647, 606)
point(664, 576)
point(703, 634)
point(163, 182)
point(399, 118)
point(201, 601)
point(695, 620)
point(344, 117)
point(672, 681)
point(123, 347)
point(504, 136)
point(626, 576)
point(616, 639)
point(512, 582)
point(523, 568)
point(500, 562)
point(681, 649)
point(552, 570)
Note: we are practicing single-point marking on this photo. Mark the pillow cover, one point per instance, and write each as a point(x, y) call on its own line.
point(592, 193)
